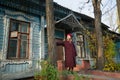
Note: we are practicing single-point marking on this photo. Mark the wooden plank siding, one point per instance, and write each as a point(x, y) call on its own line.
point(117, 58)
point(1, 32)
point(12, 69)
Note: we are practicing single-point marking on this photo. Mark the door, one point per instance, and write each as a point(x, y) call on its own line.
point(59, 50)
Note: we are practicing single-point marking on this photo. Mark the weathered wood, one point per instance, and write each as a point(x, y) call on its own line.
point(50, 29)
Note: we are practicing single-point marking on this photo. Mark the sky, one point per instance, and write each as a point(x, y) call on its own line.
point(108, 8)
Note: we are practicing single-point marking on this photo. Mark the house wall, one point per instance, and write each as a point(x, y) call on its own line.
point(118, 52)
point(12, 69)
point(60, 34)
point(1, 32)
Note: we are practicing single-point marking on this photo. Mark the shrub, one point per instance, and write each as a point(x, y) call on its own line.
point(109, 52)
point(47, 72)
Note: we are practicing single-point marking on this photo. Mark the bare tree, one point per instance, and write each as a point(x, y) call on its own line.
point(118, 8)
point(97, 4)
point(109, 14)
point(97, 15)
point(98, 31)
point(111, 20)
point(108, 8)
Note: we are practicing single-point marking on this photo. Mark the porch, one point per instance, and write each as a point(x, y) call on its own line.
point(70, 24)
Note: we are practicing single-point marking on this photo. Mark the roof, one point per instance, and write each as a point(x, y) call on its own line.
point(37, 7)
point(72, 23)
point(79, 15)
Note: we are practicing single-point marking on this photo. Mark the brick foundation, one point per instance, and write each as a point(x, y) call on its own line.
point(84, 66)
point(60, 65)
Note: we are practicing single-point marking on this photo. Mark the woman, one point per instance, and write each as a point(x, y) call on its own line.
point(70, 52)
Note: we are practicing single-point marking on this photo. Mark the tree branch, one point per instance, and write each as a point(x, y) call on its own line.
point(94, 3)
point(88, 1)
point(109, 10)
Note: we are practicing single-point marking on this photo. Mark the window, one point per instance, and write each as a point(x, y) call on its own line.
point(80, 45)
point(18, 47)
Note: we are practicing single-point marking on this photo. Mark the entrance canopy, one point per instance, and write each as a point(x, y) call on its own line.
point(70, 22)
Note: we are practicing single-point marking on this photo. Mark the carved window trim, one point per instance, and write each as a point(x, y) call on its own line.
point(18, 35)
point(80, 45)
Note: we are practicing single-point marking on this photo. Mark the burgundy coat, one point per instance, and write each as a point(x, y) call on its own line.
point(70, 53)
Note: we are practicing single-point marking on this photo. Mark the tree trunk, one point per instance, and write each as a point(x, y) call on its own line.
point(50, 30)
point(118, 9)
point(98, 30)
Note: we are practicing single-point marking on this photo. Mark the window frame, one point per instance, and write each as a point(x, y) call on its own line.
point(19, 39)
point(82, 53)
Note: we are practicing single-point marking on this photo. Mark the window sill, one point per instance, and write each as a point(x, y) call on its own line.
point(80, 58)
point(16, 61)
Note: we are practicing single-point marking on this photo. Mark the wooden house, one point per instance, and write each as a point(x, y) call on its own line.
point(23, 38)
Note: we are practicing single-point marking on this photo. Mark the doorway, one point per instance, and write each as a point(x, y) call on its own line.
point(59, 51)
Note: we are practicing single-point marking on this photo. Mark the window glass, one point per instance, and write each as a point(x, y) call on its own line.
point(23, 36)
point(24, 27)
point(23, 49)
point(12, 48)
point(14, 26)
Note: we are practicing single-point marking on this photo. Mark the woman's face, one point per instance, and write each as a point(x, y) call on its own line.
point(68, 37)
